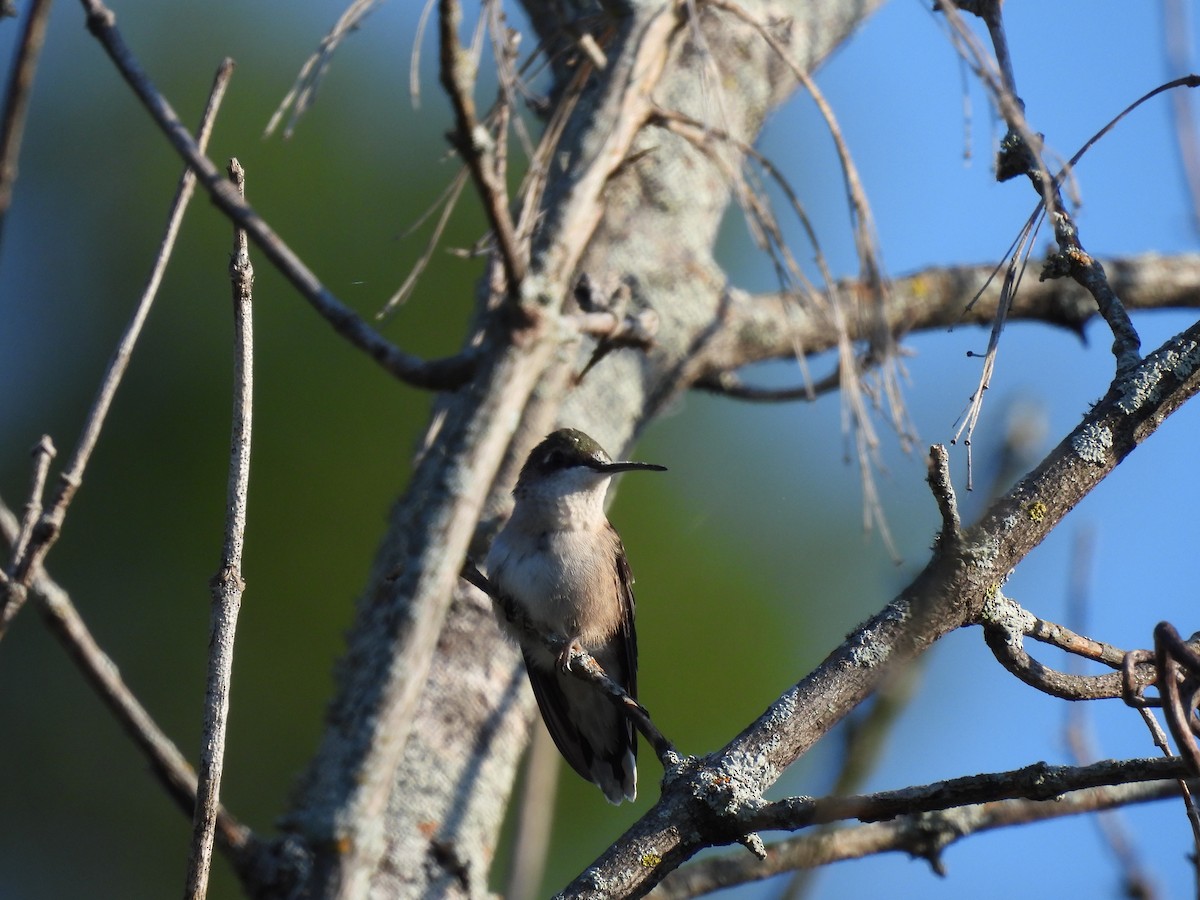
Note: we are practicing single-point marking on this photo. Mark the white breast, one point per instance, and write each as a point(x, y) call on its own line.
point(564, 581)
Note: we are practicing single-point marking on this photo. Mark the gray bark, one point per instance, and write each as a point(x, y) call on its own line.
point(425, 677)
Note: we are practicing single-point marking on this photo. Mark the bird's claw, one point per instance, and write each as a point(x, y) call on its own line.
point(564, 658)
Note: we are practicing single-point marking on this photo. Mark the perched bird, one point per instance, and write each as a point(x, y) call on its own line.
point(560, 563)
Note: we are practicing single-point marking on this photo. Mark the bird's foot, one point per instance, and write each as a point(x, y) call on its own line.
point(573, 646)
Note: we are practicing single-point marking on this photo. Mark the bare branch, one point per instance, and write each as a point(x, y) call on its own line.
point(227, 585)
point(43, 454)
point(1005, 623)
point(1039, 781)
point(438, 374)
point(304, 91)
point(938, 477)
point(729, 385)
point(754, 329)
point(16, 99)
point(925, 835)
point(1020, 153)
point(476, 145)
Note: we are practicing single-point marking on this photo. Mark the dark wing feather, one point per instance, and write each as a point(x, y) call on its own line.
point(556, 713)
point(627, 634)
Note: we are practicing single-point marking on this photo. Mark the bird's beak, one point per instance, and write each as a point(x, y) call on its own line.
point(614, 467)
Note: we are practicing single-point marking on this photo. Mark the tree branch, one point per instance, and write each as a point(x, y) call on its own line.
point(476, 145)
point(439, 374)
point(754, 327)
point(1039, 781)
point(924, 835)
point(16, 100)
point(716, 802)
point(227, 585)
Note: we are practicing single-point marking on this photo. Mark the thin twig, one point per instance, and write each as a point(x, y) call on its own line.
point(16, 591)
point(436, 374)
point(857, 416)
point(50, 524)
point(938, 476)
point(16, 100)
point(227, 584)
point(1037, 781)
point(304, 90)
point(727, 384)
point(476, 144)
point(448, 200)
point(43, 453)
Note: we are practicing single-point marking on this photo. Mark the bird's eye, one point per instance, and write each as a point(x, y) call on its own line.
point(553, 459)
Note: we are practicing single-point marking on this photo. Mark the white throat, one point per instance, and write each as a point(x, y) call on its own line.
point(568, 500)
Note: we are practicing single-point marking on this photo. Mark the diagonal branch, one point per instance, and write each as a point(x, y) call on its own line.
point(439, 374)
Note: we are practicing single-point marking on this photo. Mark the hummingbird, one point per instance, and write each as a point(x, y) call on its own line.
point(560, 562)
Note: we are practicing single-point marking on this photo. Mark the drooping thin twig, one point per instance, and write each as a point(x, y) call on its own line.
point(857, 399)
point(50, 524)
point(304, 91)
point(448, 200)
point(165, 761)
point(436, 374)
point(414, 61)
point(1013, 273)
point(16, 99)
point(227, 584)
